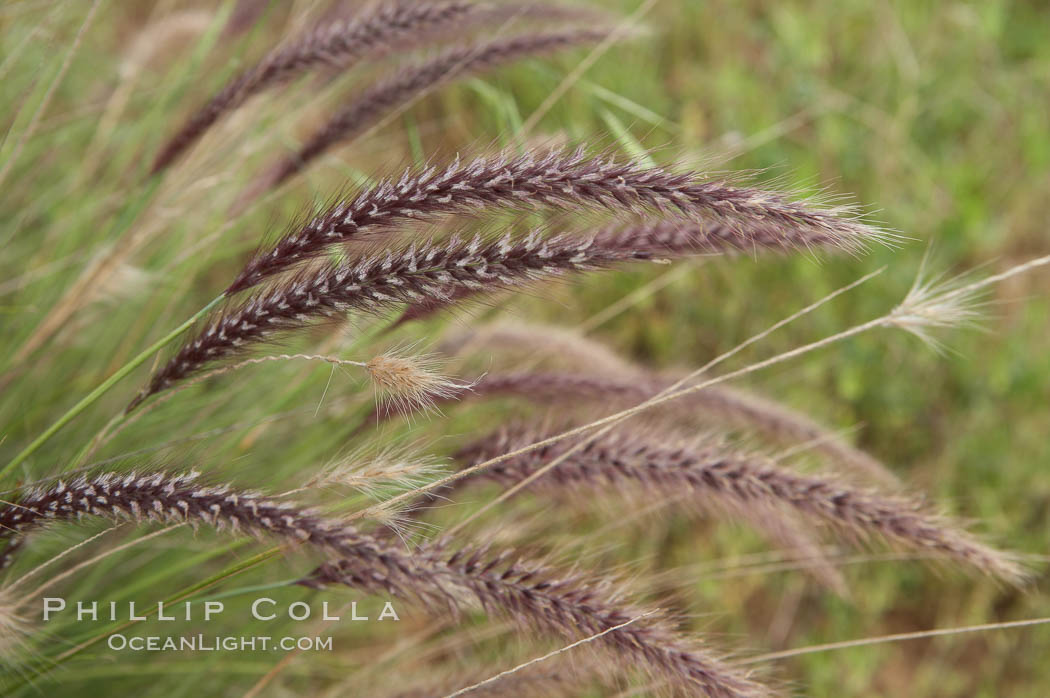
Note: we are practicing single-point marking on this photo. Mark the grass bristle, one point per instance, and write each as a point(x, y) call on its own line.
point(339, 43)
point(374, 472)
point(531, 595)
point(380, 280)
point(740, 480)
point(545, 600)
point(569, 180)
point(365, 109)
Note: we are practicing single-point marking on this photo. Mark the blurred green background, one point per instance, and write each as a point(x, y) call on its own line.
point(932, 115)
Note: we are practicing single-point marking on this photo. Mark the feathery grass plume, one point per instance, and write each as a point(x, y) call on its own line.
point(544, 599)
point(409, 83)
point(548, 387)
point(167, 498)
point(162, 497)
point(955, 302)
point(623, 457)
point(734, 236)
point(724, 404)
point(381, 280)
point(373, 472)
point(405, 381)
point(675, 237)
point(629, 381)
point(741, 408)
point(377, 474)
point(937, 302)
point(779, 525)
point(339, 44)
point(412, 382)
point(551, 178)
point(517, 342)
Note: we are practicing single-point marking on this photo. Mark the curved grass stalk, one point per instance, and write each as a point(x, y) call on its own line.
point(895, 637)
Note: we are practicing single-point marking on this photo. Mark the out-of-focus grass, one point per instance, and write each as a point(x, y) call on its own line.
point(932, 113)
point(935, 114)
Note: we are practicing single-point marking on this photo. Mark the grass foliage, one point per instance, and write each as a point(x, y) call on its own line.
point(931, 115)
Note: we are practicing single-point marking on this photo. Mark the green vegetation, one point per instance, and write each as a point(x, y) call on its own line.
point(933, 115)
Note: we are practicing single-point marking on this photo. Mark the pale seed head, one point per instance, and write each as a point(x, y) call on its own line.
point(412, 383)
